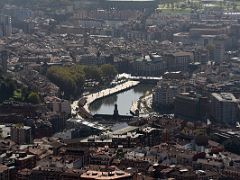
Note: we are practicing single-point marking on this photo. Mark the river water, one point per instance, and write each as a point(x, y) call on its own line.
point(124, 101)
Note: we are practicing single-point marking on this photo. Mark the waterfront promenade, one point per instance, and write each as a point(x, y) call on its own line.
point(109, 91)
point(104, 93)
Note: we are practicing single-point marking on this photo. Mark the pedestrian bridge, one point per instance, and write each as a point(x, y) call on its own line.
point(140, 78)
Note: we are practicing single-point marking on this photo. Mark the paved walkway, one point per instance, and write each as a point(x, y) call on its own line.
point(106, 92)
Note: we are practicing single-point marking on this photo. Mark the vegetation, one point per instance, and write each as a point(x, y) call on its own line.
point(33, 98)
point(93, 73)
point(35, 2)
point(71, 79)
point(7, 88)
point(11, 90)
point(108, 71)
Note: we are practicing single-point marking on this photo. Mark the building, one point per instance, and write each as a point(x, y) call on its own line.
point(191, 106)
point(150, 65)
point(92, 59)
point(4, 172)
point(100, 158)
point(224, 107)
point(54, 173)
point(5, 25)
point(201, 55)
point(24, 160)
point(182, 37)
point(219, 49)
point(58, 105)
point(21, 134)
point(165, 92)
point(58, 121)
point(178, 61)
point(107, 175)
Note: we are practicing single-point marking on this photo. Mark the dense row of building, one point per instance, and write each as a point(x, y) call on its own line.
point(194, 56)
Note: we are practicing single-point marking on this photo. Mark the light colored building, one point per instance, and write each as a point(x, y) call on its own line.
point(21, 134)
point(224, 107)
point(116, 174)
point(58, 105)
point(150, 65)
point(5, 131)
point(183, 37)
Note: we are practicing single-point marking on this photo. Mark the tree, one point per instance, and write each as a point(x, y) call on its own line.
point(7, 87)
point(33, 98)
point(93, 73)
point(108, 71)
point(70, 79)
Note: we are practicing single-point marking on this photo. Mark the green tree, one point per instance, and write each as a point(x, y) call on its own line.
point(33, 98)
point(70, 79)
point(7, 87)
point(92, 72)
point(108, 71)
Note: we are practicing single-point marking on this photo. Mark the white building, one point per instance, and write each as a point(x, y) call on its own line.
point(150, 65)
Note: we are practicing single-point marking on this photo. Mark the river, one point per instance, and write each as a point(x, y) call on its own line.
point(124, 101)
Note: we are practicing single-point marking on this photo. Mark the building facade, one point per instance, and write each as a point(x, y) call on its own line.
point(5, 25)
point(224, 107)
point(21, 134)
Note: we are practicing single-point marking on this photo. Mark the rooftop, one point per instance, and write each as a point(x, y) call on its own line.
point(226, 97)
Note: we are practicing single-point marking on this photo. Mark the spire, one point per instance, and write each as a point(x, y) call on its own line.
point(115, 113)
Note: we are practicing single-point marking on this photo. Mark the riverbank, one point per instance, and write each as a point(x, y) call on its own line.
point(108, 92)
point(143, 105)
point(89, 99)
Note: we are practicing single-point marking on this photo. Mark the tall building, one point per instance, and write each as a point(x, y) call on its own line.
point(21, 134)
point(5, 25)
point(224, 107)
point(165, 93)
point(191, 106)
point(219, 49)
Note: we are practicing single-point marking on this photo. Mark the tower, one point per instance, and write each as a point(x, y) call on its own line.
point(115, 113)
